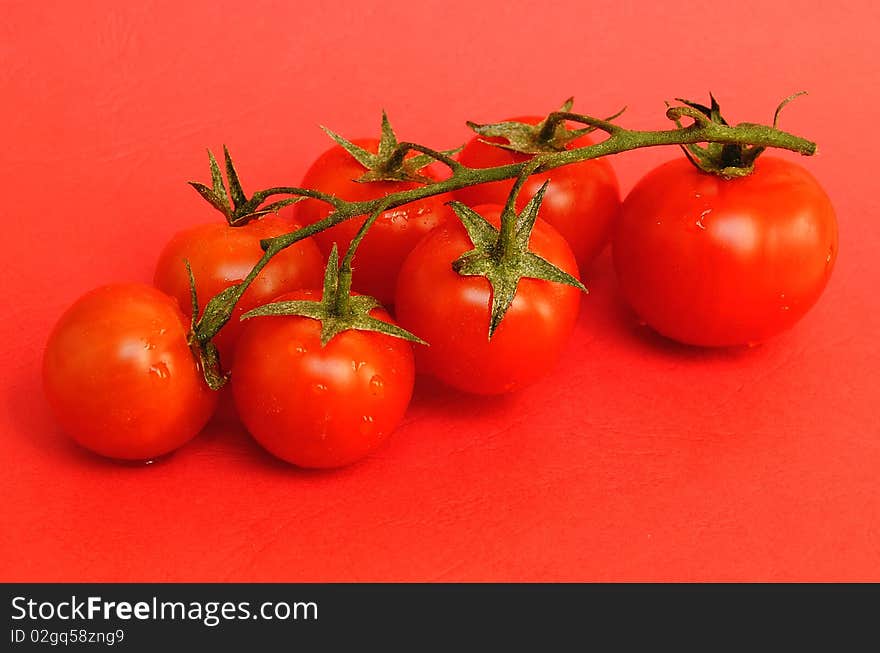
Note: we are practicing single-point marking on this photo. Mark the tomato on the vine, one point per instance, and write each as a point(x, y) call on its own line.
point(718, 262)
point(394, 234)
point(314, 405)
point(452, 312)
point(120, 375)
point(581, 202)
point(222, 255)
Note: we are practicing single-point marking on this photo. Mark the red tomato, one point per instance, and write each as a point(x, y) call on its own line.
point(317, 406)
point(581, 202)
point(120, 377)
point(394, 233)
point(715, 262)
point(451, 312)
point(221, 255)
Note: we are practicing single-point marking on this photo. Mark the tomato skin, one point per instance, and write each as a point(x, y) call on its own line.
point(314, 406)
point(713, 262)
point(120, 377)
point(582, 201)
point(451, 312)
point(391, 237)
point(221, 255)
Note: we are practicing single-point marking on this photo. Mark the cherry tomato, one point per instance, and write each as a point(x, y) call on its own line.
point(581, 202)
point(221, 255)
point(714, 262)
point(120, 377)
point(451, 312)
point(315, 406)
point(394, 233)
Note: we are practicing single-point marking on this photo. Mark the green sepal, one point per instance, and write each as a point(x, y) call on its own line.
point(236, 192)
point(385, 165)
point(215, 194)
point(504, 267)
point(203, 348)
point(728, 160)
point(241, 209)
point(335, 313)
point(482, 233)
point(526, 138)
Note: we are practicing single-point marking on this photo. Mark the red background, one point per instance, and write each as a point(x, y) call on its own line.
point(637, 460)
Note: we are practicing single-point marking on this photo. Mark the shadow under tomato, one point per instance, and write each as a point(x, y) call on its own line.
point(432, 396)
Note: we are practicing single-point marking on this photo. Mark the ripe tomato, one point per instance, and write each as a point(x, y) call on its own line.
point(715, 262)
point(120, 377)
point(317, 406)
point(394, 233)
point(581, 202)
point(221, 255)
point(451, 312)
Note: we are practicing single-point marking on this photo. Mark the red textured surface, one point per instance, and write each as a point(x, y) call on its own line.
point(636, 460)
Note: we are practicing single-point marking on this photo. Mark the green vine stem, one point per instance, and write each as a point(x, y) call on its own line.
point(345, 268)
point(702, 130)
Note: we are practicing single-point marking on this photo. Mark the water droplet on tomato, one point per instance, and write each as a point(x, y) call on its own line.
point(160, 370)
point(377, 386)
point(367, 424)
point(319, 387)
point(700, 219)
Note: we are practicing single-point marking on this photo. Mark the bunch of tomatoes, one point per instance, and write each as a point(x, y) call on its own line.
point(703, 259)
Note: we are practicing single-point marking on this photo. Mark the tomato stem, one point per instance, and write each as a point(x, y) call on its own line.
point(702, 130)
point(343, 295)
point(507, 244)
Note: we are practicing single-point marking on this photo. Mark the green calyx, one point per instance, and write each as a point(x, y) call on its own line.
point(549, 135)
point(390, 163)
point(233, 203)
point(203, 348)
point(337, 310)
point(503, 256)
point(728, 160)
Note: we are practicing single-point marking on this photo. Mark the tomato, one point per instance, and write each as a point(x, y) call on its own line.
point(394, 233)
point(315, 406)
point(581, 202)
point(222, 255)
point(715, 262)
point(451, 312)
point(120, 377)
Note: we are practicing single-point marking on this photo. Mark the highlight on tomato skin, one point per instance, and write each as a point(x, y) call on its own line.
point(120, 377)
point(317, 406)
point(451, 312)
point(582, 201)
point(222, 255)
point(720, 262)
